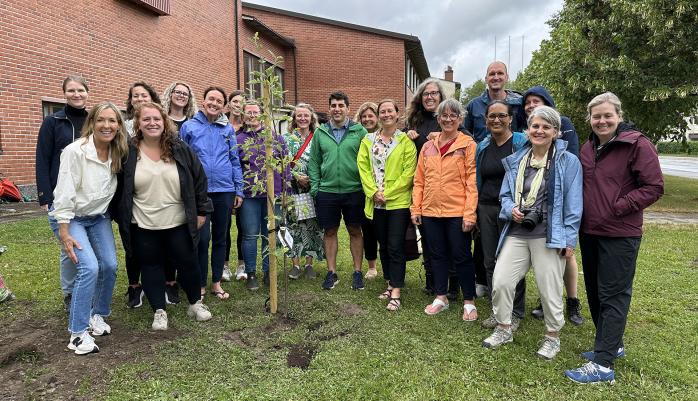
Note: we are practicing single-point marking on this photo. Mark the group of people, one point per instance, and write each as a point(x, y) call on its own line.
point(506, 172)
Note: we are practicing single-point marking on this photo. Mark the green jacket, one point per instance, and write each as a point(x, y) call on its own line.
point(399, 173)
point(332, 166)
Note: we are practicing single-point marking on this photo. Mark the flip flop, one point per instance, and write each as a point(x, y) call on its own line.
point(221, 294)
point(441, 305)
point(468, 309)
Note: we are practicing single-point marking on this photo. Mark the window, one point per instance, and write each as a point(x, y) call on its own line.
point(159, 7)
point(253, 63)
point(49, 107)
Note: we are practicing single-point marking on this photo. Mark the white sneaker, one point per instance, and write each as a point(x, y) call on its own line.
point(98, 326)
point(549, 347)
point(240, 273)
point(159, 320)
point(227, 274)
point(480, 290)
point(82, 344)
point(199, 311)
point(499, 337)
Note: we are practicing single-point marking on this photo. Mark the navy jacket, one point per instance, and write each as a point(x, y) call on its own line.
point(567, 131)
point(474, 121)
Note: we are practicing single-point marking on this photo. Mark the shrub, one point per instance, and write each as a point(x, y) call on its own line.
point(676, 148)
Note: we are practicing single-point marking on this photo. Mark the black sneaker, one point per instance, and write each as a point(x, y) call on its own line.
point(135, 297)
point(574, 312)
point(252, 283)
point(172, 294)
point(266, 279)
point(357, 281)
point(66, 302)
point(538, 311)
point(330, 281)
point(295, 272)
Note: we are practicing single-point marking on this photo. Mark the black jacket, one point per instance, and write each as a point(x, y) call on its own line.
point(56, 132)
point(193, 185)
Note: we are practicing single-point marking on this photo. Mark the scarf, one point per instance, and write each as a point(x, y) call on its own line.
point(537, 179)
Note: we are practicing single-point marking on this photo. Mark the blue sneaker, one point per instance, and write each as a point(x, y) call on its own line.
point(589, 355)
point(330, 281)
point(357, 281)
point(591, 373)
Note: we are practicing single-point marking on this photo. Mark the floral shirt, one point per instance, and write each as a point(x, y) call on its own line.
point(379, 154)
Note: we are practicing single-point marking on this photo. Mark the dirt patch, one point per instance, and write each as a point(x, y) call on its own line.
point(300, 356)
point(351, 310)
point(36, 364)
point(18, 211)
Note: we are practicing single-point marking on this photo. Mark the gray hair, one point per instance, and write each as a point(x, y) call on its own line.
point(451, 105)
point(607, 97)
point(547, 114)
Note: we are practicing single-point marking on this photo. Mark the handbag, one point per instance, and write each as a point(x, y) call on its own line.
point(411, 246)
point(303, 206)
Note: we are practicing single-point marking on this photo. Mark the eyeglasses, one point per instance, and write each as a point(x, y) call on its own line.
point(253, 114)
point(495, 116)
point(447, 117)
point(180, 93)
point(433, 94)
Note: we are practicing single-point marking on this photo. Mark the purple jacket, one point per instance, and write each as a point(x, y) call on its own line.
point(619, 183)
point(252, 162)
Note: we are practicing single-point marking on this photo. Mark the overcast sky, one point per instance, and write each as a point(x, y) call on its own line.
point(460, 33)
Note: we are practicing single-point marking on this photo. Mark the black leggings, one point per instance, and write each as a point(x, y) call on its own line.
point(149, 246)
point(238, 237)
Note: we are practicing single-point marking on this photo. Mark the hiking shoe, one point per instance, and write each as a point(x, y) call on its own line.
point(82, 344)
point(295, 272)
point(98, 326)
point(309, 272)
point(589, 355)
point(227, 274)
point(371, 274)
point(199, 311)
point(172, 294)
point(591, 373)
point(135, 297)
point(240, 273)
point(538, 311)
point(266, 278)
point(159, 320)
point(66, 302)
point(549, 347)
point(490, 322)
point(515, 322)
point(252, 283)
point(481, 290)
point(357, 281)
point(499, 337)
point(331, 279)
point(574, 311)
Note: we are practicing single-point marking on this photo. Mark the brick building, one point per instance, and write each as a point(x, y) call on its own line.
point(116, 42)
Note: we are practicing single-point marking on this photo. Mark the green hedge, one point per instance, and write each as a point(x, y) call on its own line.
point(675, 148)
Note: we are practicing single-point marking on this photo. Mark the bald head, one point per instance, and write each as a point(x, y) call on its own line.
point(496, 77)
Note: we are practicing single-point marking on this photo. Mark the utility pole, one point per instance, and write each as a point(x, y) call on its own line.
point(509, 56)
point(495, 48)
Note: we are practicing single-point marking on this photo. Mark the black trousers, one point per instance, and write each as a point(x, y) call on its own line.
point(479, 260)
point(390, 229)
point(370, 240)
point(609, 270)
point(149, 246)
point(490, 230)
point(450, 246)
point(238, 237)
point(133, 270)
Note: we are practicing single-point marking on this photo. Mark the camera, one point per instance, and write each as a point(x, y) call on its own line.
point(531, 218)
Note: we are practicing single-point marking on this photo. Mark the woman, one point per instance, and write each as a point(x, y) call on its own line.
point(622, 177)
point(306, 233)
point(140, 92)
point(367, 115)
point(58, 131)
point(179, 103)
point(253, 213)
point(213, 140)
point(86, 185)
point(387, 159)
point(541, 199)
point(235, 101)
point(444, 201)
point(162, 204)
point(500, 143)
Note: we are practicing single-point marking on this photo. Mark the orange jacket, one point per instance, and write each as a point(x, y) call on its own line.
point(445, 186)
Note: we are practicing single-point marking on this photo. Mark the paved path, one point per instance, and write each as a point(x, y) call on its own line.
point(679, 166)
point(671, 218)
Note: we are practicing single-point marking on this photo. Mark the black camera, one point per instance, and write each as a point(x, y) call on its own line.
point(531, 218)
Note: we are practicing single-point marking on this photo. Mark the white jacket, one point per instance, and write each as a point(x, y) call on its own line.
point(85, 185)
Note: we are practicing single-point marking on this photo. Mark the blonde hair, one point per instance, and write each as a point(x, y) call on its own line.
point(606, 97)
point(191, 107)
point(118, 148)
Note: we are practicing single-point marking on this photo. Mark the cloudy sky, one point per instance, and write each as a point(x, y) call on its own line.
point(460, 33)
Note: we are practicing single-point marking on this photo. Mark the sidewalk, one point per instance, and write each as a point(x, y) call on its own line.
point(15, 211)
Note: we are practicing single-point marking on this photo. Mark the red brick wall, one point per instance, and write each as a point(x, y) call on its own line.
point(366, 66)
point(111, 43)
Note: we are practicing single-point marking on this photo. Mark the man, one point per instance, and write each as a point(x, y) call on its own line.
point(336, 186)
point(496, 79)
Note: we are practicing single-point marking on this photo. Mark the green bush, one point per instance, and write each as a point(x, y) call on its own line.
point(676, 148)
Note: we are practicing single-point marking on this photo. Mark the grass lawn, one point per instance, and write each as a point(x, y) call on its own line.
point(345, 342)
point(680, 196)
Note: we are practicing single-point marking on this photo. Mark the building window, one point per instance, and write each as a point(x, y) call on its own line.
point(159, 7)
point(51, 107)
point(253, 63)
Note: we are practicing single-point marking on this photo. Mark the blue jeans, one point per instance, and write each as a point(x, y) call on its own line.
point(253, 215)
point(67, 270)
point(96, 270)
point(214, 231)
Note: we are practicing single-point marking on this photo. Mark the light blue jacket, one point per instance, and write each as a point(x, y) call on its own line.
point(518, 141)
point(216, 146)
point(564, 197)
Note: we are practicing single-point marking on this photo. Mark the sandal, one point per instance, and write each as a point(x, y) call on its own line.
point(221, 294)
point(436, 307)
point(386, 294)
point(468, 311)
point(394, 304)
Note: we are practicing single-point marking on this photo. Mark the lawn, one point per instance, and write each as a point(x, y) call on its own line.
point(344, 342)
point(680, 196)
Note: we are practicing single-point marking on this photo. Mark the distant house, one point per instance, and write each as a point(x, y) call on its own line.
point(692, 130)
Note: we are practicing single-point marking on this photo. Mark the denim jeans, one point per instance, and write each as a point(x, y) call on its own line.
point(253, 215)
point(96, 269)
point(67, 267)
point(214, 231)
